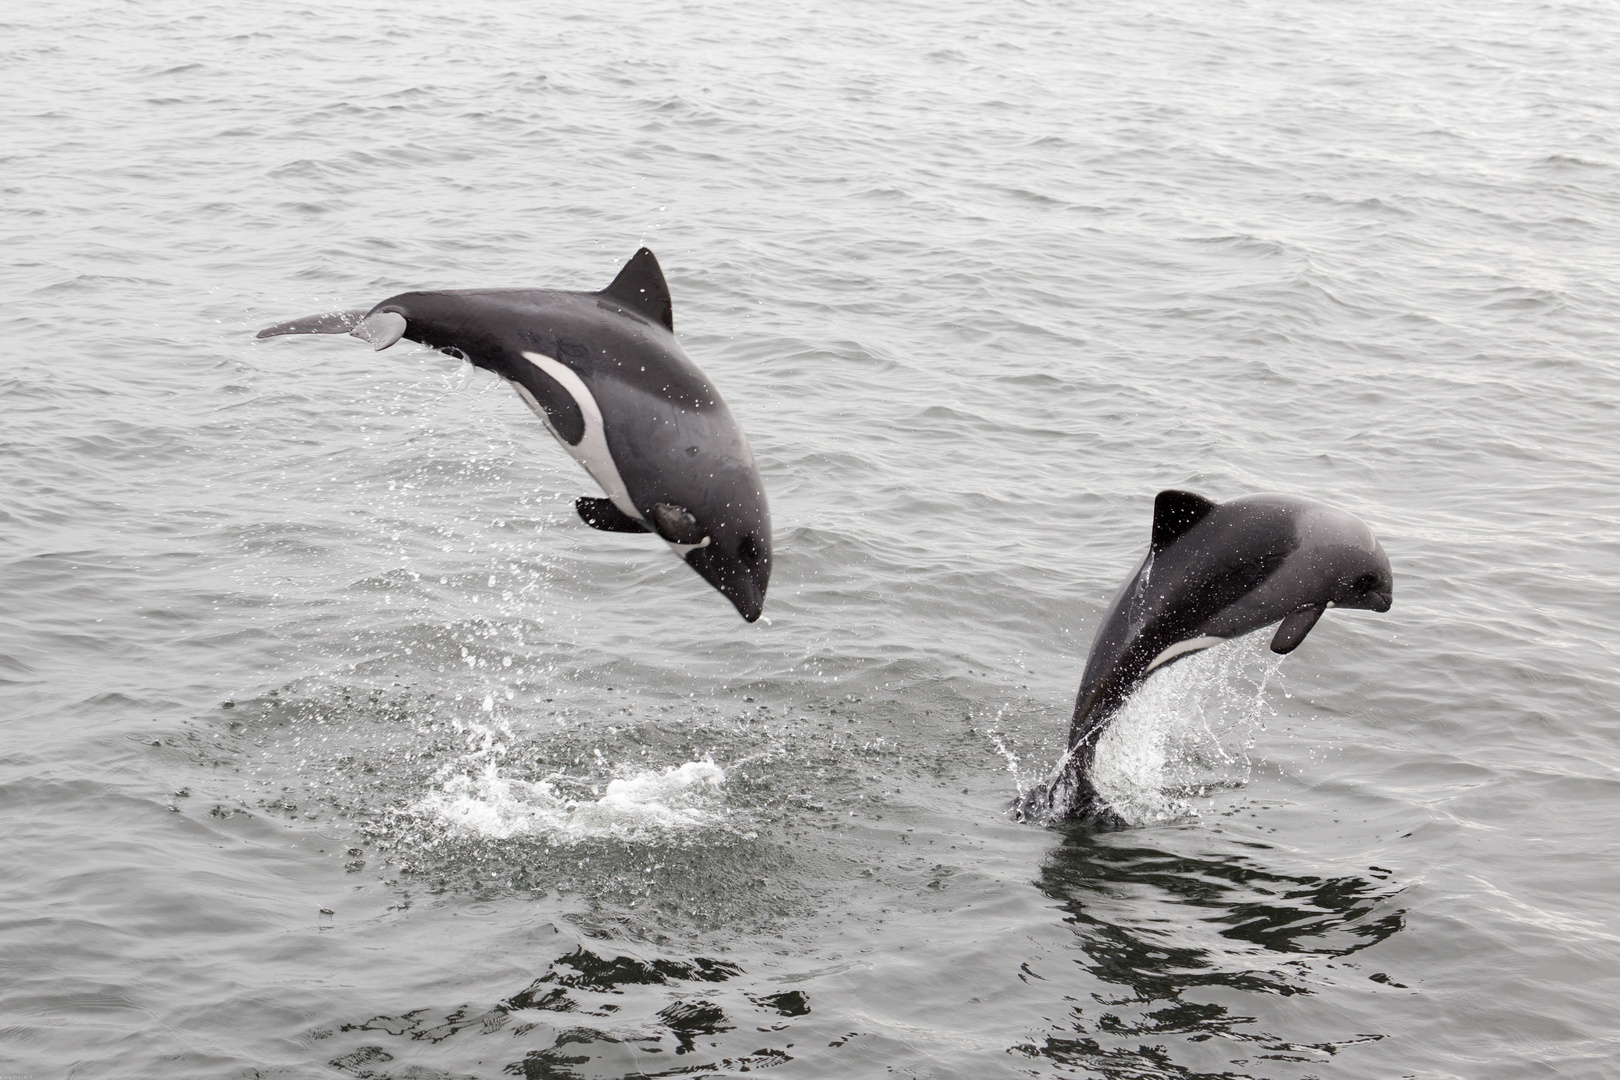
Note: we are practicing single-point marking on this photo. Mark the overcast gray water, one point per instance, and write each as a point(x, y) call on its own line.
point(336, 746)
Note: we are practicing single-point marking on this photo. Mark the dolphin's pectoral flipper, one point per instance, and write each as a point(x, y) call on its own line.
point(676, 524)
point(333, 322)
point(602, 514)
point(1292, 630)
point(381, 329)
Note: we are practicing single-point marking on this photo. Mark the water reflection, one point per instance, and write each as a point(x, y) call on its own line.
point(1200, 947)
point(595, 1016)
point(1188, 955)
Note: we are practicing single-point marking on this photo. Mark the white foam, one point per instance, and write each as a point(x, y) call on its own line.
point(1185, 732)
point(649, 801)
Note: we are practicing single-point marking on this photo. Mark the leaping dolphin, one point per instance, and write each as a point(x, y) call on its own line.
point(605, 374)
point(1213, 571)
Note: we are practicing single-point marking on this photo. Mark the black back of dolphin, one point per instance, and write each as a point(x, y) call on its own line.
point(605, 365)
point(1213, 571)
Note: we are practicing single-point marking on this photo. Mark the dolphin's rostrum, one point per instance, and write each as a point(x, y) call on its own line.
point(1213, 571)
point(604, 372)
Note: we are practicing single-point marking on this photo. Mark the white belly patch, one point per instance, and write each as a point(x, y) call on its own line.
point(1182, 648)
point(592, 451)
point(680, 550)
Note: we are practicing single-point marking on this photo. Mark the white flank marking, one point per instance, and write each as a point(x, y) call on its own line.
point(1181, 648)
point(680, 550)
point(592, 451)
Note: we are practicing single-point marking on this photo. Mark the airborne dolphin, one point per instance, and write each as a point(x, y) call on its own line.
point(1213, 571)
point(604, 372)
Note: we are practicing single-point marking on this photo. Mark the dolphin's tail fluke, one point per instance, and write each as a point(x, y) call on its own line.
point(381, 330)
point(333, 322)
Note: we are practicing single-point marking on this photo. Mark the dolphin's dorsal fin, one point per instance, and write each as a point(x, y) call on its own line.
point(640, 287)
point(1174, 512)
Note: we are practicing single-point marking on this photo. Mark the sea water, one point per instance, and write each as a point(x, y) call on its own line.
point(335, 745)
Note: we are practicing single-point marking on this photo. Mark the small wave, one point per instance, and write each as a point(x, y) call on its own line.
point(491, 806)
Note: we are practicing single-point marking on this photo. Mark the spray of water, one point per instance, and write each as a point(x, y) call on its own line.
point(1186, 733)
point(1007, 755)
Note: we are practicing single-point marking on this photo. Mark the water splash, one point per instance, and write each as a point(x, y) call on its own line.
point(1186, 733)
point(488, 805)
point(1007, 755)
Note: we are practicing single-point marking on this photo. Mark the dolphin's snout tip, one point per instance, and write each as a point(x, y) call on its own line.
point(741, 578)
point(740, 584)
point(749, 607)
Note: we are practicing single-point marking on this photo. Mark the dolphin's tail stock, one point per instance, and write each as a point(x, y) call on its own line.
point(1068, 794)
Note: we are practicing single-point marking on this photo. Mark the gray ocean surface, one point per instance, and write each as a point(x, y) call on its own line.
point(335, 745)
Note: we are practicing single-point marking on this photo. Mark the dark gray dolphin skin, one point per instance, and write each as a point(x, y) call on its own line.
point(1213, 571)
point(604, 372)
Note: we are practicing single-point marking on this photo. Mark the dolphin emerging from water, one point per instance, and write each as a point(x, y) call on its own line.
point(1213, 571)
point(605, 374)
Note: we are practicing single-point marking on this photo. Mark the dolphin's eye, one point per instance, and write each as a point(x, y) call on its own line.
point(1365, 583)
point(748, 549)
